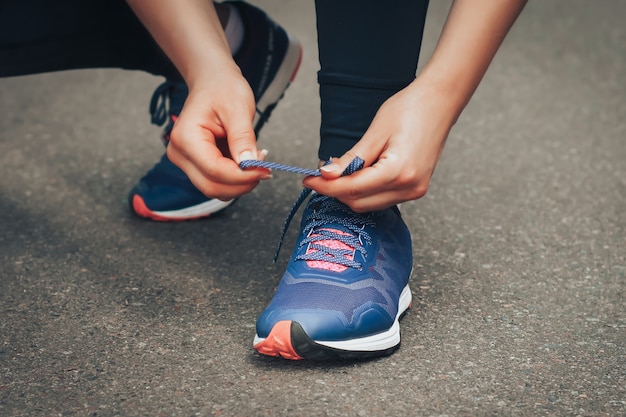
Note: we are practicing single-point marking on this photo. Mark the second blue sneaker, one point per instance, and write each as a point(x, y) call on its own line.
point(345, 288)
point(269, 59)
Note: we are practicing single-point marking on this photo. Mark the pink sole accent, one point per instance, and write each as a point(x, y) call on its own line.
point(278, 342)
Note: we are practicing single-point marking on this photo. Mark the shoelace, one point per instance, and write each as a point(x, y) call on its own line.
point(326, 210)
point(249, 163)
point(166, 96)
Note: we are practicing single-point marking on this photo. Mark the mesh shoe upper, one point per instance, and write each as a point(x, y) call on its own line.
point(346, 275)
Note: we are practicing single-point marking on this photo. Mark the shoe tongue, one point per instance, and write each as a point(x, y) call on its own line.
point(330, 243)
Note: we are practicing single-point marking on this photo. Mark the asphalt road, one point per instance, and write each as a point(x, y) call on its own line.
point(520, 248)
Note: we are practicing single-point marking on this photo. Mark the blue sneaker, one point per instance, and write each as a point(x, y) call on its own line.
point(345, 288)
point(269, 59)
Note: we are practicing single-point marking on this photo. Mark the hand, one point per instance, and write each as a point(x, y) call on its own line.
point(400, 148)
point(406, 137)
point(216, 121)
point(214, 132)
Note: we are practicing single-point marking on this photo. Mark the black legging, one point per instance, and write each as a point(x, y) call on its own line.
point(54, 35)
point(368, 50)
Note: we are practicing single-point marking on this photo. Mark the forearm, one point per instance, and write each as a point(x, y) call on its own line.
point(469, 40)
point(189, 32)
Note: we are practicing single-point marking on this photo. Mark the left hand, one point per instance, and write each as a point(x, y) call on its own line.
point(400, 148)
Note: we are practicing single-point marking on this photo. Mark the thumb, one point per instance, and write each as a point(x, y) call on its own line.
point(364, 153)
point(338, 167)
point(356, 158)
point(240, 134)
point(242, 142)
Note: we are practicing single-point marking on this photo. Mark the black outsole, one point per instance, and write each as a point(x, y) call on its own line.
point(308, 349)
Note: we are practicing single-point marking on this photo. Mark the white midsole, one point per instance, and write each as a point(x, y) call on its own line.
point(380, 341)
point(208, 207)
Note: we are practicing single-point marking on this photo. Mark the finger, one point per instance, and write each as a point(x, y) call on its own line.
point(237, 122)
point(212, 188)
point(375, 202)
point(368, 148)
point(203, 157)
point(348, 188)
point(361, 191)
point(368, 181)
point(242, 143)
point(373, 188)
point(360, 197)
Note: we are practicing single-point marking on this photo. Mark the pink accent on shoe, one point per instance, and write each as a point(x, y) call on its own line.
point(295, 71)
point(278, 342)
point(332, 244)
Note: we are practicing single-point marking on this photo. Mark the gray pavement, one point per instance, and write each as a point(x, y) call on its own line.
point(520, 248)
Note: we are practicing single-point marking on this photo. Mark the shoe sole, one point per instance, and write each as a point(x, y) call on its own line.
point(289, 340)
point(198, 211)
point(267, 102)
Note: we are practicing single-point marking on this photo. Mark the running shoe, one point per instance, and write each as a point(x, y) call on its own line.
point(345, 287)
point(269, 59)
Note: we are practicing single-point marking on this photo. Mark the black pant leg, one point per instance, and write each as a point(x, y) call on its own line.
point(368, 51)
point(53, 35)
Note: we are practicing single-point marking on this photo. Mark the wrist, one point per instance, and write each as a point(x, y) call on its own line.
point(204, 73)
point(445, 99)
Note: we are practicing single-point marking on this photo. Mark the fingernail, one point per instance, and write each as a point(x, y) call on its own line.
point(329, 168)
point(246, 155)
point(263, 154)
point(267, 177)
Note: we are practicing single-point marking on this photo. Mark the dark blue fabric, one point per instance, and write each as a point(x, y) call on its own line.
point(54, 35)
